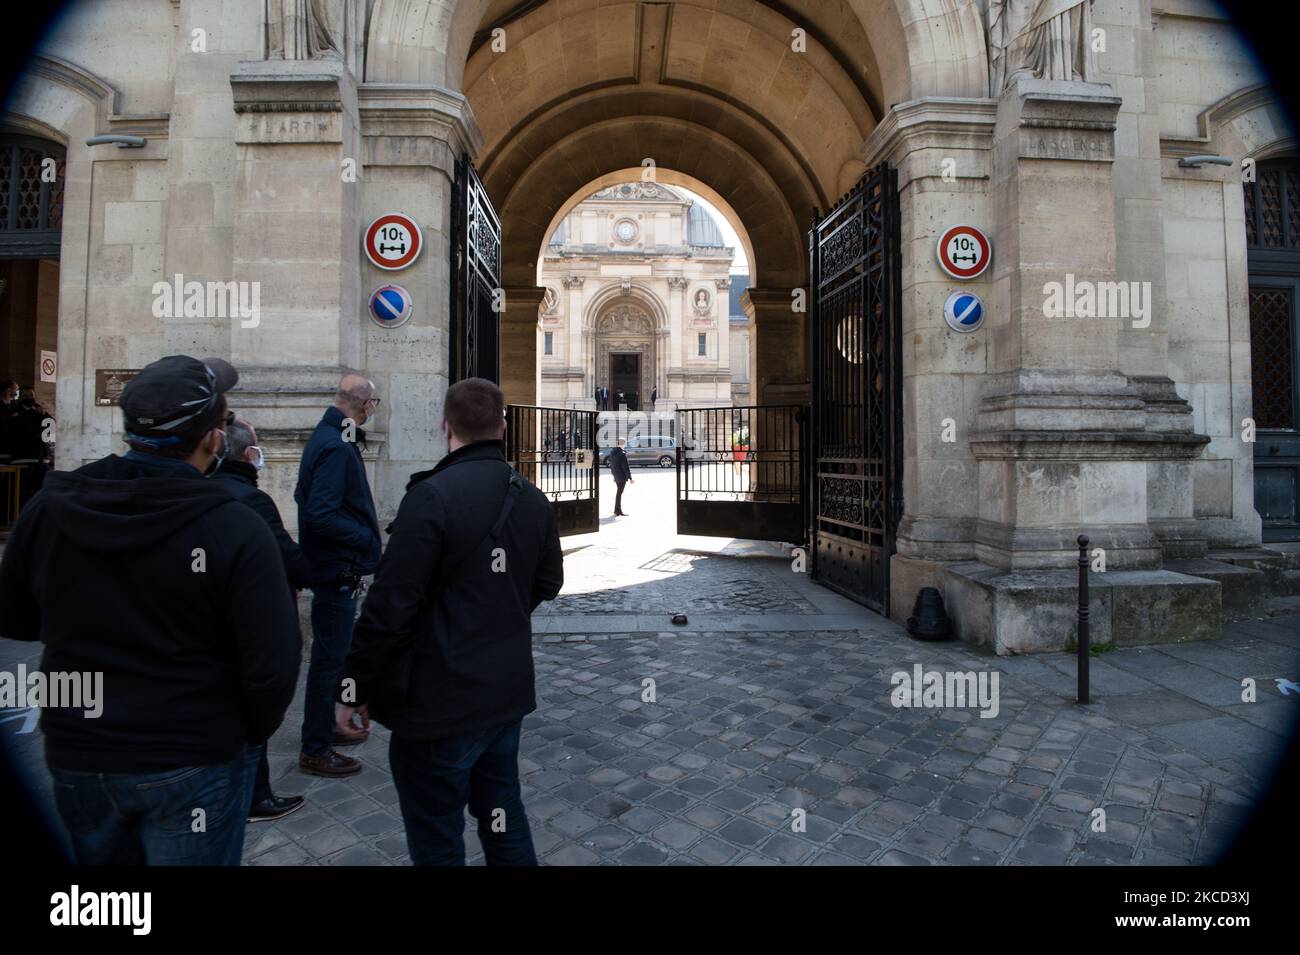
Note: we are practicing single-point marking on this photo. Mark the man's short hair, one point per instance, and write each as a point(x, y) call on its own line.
point(358, 394)
point(474, 410)
point(239, 438)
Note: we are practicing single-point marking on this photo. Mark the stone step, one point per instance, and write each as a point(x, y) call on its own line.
point(1245, 588)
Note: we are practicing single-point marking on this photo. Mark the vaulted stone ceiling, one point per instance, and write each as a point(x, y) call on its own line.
point(711, 89)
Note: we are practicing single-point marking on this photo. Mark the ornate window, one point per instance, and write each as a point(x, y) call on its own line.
point(32, 175)
point(1273, 206)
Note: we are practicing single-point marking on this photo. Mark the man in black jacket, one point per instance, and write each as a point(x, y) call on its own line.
point(443, 650)
point(243, 462)
point(339, 533)
point(138, 572)
point(621, 471)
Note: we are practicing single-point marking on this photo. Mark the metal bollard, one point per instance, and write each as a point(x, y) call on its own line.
point(1082, 616)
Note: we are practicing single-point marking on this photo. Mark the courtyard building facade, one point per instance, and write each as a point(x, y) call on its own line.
point(637, 301)
point(1133, 378)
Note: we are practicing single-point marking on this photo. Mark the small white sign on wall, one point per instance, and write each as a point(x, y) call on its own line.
point(49, 366)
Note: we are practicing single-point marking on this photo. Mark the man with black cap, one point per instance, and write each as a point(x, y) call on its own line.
point(137, 569)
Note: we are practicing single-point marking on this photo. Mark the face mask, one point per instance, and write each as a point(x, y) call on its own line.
point(215, 466)
point(261, 459)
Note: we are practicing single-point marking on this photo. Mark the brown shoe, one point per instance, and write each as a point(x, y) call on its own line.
point(350, 738)
point(331, 764)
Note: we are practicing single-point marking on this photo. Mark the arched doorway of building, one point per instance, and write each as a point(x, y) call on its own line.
point(31, 218)
point(1273, 259)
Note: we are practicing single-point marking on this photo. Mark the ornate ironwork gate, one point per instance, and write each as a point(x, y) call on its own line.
point(1273, 258)
point(555, 448)
point(856, 486)
point(740, 472)
point(475, 279)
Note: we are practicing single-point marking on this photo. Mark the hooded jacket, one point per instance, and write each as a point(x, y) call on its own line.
point(463, 613)
point(144, 571)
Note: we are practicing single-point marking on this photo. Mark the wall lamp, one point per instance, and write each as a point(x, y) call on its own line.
point(124, 142)
point(1195, 162)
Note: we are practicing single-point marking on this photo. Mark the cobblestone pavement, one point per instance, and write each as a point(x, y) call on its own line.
point(750, 723)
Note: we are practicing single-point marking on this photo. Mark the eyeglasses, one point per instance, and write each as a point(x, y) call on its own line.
point(375, 400)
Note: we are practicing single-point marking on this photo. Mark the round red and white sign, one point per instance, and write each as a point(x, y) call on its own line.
point(393, 241)
point(964, 251)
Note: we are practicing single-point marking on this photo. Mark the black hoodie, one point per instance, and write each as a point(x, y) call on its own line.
point(162, 581)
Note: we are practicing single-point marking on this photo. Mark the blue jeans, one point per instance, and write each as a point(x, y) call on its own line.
point(333, 615)
point(150, 818)
point(436, 779)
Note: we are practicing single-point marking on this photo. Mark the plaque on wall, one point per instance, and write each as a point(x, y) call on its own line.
point(109, 383)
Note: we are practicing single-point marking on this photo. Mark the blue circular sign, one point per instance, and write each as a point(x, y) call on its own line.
point(390, 306)
point(964, 312)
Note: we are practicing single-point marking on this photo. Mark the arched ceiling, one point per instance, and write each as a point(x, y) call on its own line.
point(728, 64)
point(714, 90)
point(531, 203)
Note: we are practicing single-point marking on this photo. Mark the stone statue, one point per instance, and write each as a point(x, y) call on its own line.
point(318, 29)
point(1046, 39)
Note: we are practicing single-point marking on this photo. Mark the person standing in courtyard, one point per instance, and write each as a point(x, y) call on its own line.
point(239, 473)
point(621, 471)
point(339, 533)
point(139, 569)
point(443, 651)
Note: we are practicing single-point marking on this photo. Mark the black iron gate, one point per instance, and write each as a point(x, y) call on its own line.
point(856, 487)
point(740, 472)
point(476, 296)
point(555, 448)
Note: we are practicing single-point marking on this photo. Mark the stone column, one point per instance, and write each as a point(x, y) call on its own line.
point(411, 139)
point(778, 347)
point(1064, 438)
point(519, 374)
point(295, 242)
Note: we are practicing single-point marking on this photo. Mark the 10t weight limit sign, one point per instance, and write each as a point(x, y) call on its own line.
point(393, 241)
point(964, 251)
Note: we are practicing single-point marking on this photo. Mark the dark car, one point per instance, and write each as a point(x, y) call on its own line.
point(646, 449)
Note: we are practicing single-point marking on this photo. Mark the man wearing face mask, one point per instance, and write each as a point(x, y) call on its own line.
point(138, 569)
point(239, 473)
point(339, 533)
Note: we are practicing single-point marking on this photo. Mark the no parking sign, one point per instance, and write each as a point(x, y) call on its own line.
point(393, 241)
point(390, 306)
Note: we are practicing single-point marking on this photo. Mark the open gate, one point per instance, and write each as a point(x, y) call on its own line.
point(475, 331)
point(855, 272)
point(740, 472)
point(555, 449)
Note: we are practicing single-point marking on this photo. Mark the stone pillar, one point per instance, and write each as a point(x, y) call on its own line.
point(942, 151)
point(519, 322)
point(1065, 440)
point(294, 222)
point(411, 138)
point(778, 347)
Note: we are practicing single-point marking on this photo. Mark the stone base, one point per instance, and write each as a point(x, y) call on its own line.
point(1034, 611)
point(1245, 589)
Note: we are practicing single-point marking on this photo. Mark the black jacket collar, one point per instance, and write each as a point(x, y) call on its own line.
point(477, 451)
point(238, 471)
